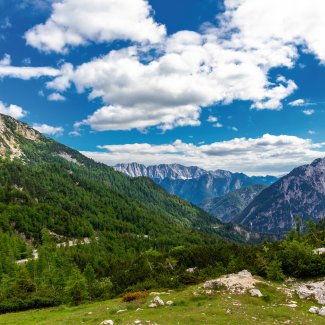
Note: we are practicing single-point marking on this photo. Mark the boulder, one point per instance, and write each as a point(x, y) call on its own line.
point(159, 301)
point(169, 302)
point(245, 273)
point(319, 251)
point(314, 290)
point(255, 293)
point(107, 322)
point(321, 312)
point(314, 310)
point(191, 269)
point(152, 305)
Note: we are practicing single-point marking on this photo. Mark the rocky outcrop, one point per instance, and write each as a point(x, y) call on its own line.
point(300, 193)
point(235, 283)
point(312, 290)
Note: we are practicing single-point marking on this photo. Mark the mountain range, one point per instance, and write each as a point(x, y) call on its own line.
point(193, 183)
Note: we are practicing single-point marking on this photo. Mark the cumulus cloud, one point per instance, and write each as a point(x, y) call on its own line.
point(268, 154)
point(107, 20)
point(56, 97)
point(48, 129)
point(14, 111)
point(169, 91)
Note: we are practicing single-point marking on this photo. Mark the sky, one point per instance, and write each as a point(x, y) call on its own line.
point(237, 85)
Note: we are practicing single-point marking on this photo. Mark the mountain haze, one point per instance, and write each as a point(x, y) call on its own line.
point(227, 207)
point(193, 183)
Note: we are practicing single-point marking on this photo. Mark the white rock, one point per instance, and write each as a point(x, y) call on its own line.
point(319, 251)
point(314, 310)
point(255, 293)
point(137, 321)
point(152, 305)
point(169, 302)
point(159, 301)
point(244, 273)
point(121, 311)
point(107, 322)
point(312, 290)
point(191, 269)
point(322, 311)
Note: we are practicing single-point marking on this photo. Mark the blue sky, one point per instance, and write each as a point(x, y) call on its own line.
point(236, 84)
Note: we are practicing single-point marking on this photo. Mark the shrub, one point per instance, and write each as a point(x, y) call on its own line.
point(131, 296)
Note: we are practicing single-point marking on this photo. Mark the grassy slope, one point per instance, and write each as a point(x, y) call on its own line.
point(187, 309)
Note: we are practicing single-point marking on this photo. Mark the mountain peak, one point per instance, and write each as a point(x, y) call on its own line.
point(12, 132)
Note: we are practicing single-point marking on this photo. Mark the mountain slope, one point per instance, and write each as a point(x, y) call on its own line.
point(300, 193)
point(46, 184)
point(192, 183)
point(229, 206)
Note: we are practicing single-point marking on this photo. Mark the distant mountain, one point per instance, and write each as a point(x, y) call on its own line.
point(300, 193)
point(230, 205)
point(193, 183)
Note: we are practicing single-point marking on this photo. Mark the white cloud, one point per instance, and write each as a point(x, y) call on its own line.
point(55, 97)
point(48, 129)
point(14, 111)
point(298, 102)
point(234, 128)
point(266, 155)
point(212, 119)
point(170, 90)
point(166, 84)
point(217, 125)
point(27, 73)
point(308, 111)
point(311, 132)
point(77, 22)
point(6, 60)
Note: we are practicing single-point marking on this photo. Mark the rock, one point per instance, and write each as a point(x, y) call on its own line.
point(291, 305)
point(191, 269)
point(319, 251)
point(121, 311)
point(159, 301)
point(139, 309)
point(90, 313)
point(137, 321)
point(235, 283)
point(152, 305)
point(312, 290)
point(314, 310)
point(245, 273)
point(169, 302)
point(107, 322)
point(322, 312)
point(228, 311)
point(255, 293)
point(208, 292)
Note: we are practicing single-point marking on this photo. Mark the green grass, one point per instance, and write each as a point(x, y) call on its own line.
point(187, 309)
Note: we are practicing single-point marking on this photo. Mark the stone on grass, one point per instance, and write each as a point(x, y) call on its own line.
point(255, 293)
point(322, 311)
point(107, 322)
point(152, 305)
point(314, 310)
point(159, 301)
point(169, 302)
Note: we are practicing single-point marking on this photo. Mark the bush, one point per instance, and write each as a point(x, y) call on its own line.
point(131, 296)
